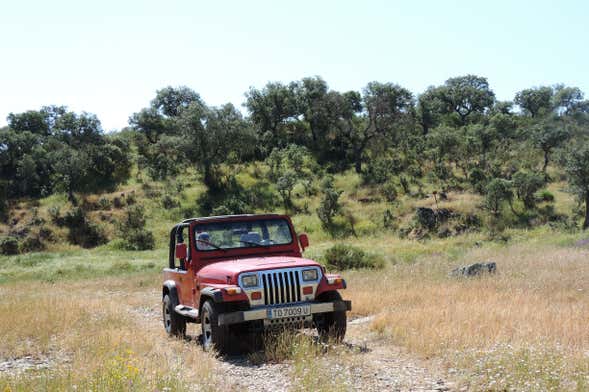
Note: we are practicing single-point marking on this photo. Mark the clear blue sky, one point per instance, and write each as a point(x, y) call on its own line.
point(108, 57)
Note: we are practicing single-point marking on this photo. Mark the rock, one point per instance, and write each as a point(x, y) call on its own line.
point(475, 269)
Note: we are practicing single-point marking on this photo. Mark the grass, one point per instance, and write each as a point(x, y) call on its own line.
point(95, 335)
point(92, 314)
point(536, 305)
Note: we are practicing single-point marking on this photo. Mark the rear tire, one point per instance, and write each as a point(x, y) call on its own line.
point(213, 336)
point(334, 324)
point(174, 324)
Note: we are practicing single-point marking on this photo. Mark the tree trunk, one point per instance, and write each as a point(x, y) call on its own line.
point(545, 166)
point(586, 223)
point(358, 165)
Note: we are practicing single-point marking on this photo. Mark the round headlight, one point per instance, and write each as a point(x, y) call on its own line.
point(310, 274)
point(249, 280)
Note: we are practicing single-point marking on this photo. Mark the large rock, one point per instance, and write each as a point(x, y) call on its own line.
point(475, 269)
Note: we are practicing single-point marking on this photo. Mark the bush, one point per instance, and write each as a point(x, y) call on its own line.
point(343, 256)
point(32, 243)
point(546, 196)
point(389, 191)
point(82, 231)
point(329, 206)
point(526, 185)
point(132, 230)
point(478, 180)
point(104, 203)
point(8, 245)
point(497, 191)
point(169, 202)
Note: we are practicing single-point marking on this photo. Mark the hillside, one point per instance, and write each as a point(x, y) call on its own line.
point(395, 190)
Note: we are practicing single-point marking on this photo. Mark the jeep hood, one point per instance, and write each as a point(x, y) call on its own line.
point(223, 269)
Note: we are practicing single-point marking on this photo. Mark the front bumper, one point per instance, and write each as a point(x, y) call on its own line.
point(262, 313)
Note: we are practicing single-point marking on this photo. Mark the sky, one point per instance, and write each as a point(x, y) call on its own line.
point(109, 57)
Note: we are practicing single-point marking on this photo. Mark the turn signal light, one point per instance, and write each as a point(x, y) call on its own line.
point(334, 280)
point(233, 290)
point(308, 290)
point(256, 295)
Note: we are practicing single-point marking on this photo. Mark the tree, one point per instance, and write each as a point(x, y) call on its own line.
point(465, 95)
point(272, 109)
point(385, 106)
point(158, 118)
point(577, 169)
point(497, 191)
point(429, 109)
point(567, 100)
point(535, 101)
point(526, 185)
point(54, 149)
point(547, 136)
point(211, 135)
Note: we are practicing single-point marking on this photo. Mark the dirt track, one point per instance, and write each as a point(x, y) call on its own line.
point(370, 366)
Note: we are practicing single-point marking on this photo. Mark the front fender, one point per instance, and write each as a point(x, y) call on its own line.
point(169, 287)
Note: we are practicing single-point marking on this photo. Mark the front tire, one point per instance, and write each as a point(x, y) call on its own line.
point(174, 324)
point(213, 336)
point(333, 325)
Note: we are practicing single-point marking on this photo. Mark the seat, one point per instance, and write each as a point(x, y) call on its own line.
point(251, 238)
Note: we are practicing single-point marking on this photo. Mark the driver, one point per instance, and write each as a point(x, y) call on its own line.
point(202, 241)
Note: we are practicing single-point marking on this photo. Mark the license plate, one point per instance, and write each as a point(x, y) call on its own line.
point(291, 311)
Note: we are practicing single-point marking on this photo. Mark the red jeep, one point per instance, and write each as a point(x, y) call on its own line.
point(243, 274)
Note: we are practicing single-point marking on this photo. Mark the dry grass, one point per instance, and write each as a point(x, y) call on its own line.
point(96, 335)
point(536, 308)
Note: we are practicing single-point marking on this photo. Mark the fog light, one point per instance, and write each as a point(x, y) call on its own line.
point(308, 290)
point(256, 295)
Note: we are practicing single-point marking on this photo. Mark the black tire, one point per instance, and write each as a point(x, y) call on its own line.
point(174, 324)
point(213, 336)
point(332, 326)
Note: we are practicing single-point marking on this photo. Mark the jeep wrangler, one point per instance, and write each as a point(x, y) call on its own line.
point(244, 274)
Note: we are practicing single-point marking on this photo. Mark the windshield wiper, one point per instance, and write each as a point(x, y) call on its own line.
point(253, 243)
point(211, 244)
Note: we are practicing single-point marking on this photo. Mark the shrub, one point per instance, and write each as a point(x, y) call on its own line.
point(169, 202)
point(82, 231)
point(32, 243)
point(546, 196)
point(104, 203)
point(478, 180)
point(329, 206)
point(497, 191)
point(8, 245)
point(132, 230)
point(343, 256)
point(526, 185)
point(389, 191)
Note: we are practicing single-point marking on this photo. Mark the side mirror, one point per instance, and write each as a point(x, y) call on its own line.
point(181, 251)
point(304, 240)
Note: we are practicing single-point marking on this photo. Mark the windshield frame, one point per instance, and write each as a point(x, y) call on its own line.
point(236, 220)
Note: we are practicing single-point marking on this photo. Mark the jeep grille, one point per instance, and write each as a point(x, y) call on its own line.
point(281, 287)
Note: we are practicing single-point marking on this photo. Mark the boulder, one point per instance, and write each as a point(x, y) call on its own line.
point(475, 269)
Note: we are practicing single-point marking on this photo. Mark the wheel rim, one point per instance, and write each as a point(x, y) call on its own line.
point(167, 317)
point(207, 330)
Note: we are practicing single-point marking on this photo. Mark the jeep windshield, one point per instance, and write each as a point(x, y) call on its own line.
point(242, 234)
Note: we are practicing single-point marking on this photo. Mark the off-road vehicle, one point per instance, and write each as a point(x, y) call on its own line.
point(241, 275)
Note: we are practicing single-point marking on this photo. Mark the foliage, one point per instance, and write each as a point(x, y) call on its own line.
point(8, 245)
point(132, 230)
point(344, 256)
point(496, 192)
point(329, 206)
point(526, 185)
point(82, 231)
point(577, 169)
